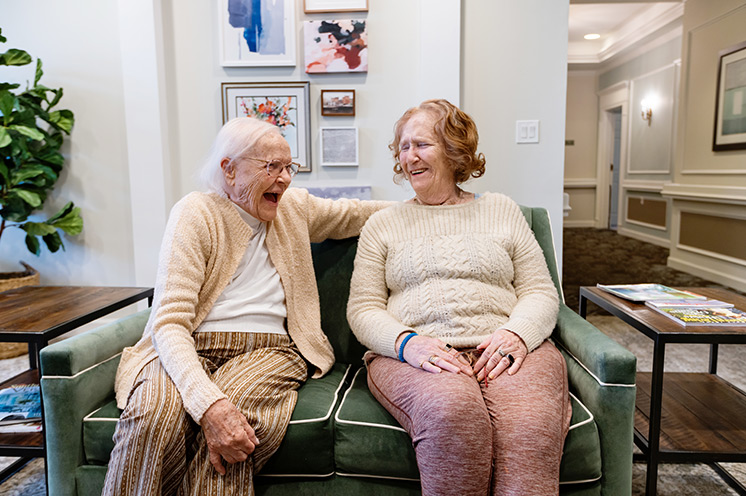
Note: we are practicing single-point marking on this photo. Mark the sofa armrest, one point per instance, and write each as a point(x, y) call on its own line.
point(77, 377)
point(601, 374)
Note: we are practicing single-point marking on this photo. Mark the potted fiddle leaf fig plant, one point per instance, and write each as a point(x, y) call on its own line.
point(32, 131)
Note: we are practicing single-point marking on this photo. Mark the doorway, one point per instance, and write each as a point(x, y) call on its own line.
point(615, 116)
point(612, 139)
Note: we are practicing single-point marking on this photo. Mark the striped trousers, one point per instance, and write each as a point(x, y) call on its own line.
point(505, 438)
point(159, 449)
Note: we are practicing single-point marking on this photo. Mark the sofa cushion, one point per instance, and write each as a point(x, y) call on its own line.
point(369, 442)
point(305, 451)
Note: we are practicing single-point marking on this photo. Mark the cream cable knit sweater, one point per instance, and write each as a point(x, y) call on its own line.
point(456, 272)
point(203, 243)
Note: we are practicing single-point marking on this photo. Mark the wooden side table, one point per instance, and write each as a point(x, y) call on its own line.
point(683, 417)
point(38, 314)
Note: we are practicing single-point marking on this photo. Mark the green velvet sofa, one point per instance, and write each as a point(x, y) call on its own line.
point(340, 440)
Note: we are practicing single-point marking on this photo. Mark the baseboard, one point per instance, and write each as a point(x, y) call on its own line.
point(664, 242)
point(579, 223)
point(709, 274)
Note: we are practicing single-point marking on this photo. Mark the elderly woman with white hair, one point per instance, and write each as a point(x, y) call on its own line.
point(235, 329)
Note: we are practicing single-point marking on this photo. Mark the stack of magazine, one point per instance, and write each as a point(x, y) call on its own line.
point(20, 408)
point(684, 307)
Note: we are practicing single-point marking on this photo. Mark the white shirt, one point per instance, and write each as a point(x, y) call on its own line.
point(254, 299)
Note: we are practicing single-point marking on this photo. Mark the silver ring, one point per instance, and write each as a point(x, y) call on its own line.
point(433, 358)
point(502, 353)
point(448, 347)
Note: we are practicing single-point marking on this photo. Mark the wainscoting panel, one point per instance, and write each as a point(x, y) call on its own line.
point(711, 233)
point(652, 213)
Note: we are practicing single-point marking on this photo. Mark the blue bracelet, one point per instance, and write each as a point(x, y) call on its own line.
point(404, 343)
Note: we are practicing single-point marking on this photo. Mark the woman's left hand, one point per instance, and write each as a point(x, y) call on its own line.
point(496, 353)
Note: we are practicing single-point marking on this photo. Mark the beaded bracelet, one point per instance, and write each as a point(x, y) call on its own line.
point(404, 343)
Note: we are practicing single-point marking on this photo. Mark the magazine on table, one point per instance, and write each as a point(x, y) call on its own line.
point(20, 402)
point(698, 315)
point(22, 426)
point(646, 292)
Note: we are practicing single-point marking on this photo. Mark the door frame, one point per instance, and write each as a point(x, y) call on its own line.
point(616, 96)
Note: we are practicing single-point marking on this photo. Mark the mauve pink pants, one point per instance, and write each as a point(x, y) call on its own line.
point(503, 439)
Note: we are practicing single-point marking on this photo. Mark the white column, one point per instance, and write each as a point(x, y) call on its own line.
point(141, 35)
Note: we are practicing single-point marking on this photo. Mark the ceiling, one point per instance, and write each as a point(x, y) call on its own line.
point(620, 23)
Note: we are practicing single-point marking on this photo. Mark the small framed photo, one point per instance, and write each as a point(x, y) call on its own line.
point(266, 40)
point(730, 102)
point(339, 146)
point(320, 6)
point(286, 105)
point(338, 102)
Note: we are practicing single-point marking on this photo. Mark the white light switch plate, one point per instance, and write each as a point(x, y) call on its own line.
point(526, 131)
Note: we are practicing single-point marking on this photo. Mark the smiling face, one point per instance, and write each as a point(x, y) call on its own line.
point(247, 183)
point(423, 160)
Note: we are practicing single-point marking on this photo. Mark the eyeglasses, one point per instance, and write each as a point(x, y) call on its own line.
point(275, 167)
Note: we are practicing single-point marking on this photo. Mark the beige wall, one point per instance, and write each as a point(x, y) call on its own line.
point(707, 184)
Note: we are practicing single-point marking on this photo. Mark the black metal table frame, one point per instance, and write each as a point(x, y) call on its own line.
point(38, 340)
point(650, 447)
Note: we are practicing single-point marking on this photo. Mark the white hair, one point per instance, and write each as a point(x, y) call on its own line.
point(234, 140)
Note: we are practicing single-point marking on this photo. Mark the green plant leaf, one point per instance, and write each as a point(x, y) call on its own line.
point(68, 219)
point(15, 56)
point(33, 245)
point(18, 176)
point(33, 199)
point(3, 39)
point(39, 72)
point(50, 156)
point(32, 133)
point(7, 102)
point(8, 86)
point(56, 99)
point(5, 138)
point(62, 119)
point(38, 228)
point(53, 242)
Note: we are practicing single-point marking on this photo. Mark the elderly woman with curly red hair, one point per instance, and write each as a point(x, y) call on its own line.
point(452, 295)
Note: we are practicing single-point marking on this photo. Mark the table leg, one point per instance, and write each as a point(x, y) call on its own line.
point(583, 306)
point(714, 358)
point(656, 401)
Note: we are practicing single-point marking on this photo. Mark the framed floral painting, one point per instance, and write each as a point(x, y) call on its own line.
point(285, 105)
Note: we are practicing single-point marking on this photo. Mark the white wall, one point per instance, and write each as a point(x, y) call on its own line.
point(78, 43)
point(498, 81)
point(515, 68)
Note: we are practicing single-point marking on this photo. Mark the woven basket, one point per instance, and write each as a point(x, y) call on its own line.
point(12, 280)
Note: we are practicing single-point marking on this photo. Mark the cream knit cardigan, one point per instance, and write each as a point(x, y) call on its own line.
point(204, 241)
point(455, 272)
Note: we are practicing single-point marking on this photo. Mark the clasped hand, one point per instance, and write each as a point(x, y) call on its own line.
point(228, 434)
point(435, 356)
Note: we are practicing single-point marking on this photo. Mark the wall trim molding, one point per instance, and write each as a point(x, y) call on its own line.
point(713, 172)
point(707, 273)
point(711, 254)
point(653, 186)
point(734, 195)
point(627, 220)
point(648, 238)
point(589, 182)
point(579, 223)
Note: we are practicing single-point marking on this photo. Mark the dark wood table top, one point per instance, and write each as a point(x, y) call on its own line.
point(44, 309)
point(660, 324)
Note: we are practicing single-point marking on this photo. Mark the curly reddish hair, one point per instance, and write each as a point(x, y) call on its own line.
point(457, 133)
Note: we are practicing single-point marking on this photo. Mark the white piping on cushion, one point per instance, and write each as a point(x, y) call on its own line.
point(89, 418)
point(331, 408)
point(82, 371)
point(586, 421)
point(581, 481)
point(605, 384)
point(354, 422)
point(296, 475)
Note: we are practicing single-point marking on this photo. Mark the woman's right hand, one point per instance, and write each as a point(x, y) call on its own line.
point(228, 434)
point(433, 355)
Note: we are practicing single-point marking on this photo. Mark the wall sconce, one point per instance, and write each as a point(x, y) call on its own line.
point(647, 111)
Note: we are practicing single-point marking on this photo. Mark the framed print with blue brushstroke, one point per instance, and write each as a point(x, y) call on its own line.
point(257, 33)
point(286, 105)
point(730, 102)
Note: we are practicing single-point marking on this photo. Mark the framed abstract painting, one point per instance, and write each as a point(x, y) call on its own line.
point(335, 46)
point(316, 6)
point(257, 33)
point(285, 105)
point(730, 103)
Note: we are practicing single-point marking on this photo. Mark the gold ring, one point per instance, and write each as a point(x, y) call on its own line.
point(433, 358)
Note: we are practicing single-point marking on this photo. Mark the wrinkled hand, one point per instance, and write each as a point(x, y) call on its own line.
point(432, 355)
point(491, 363)
point(228, 434)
